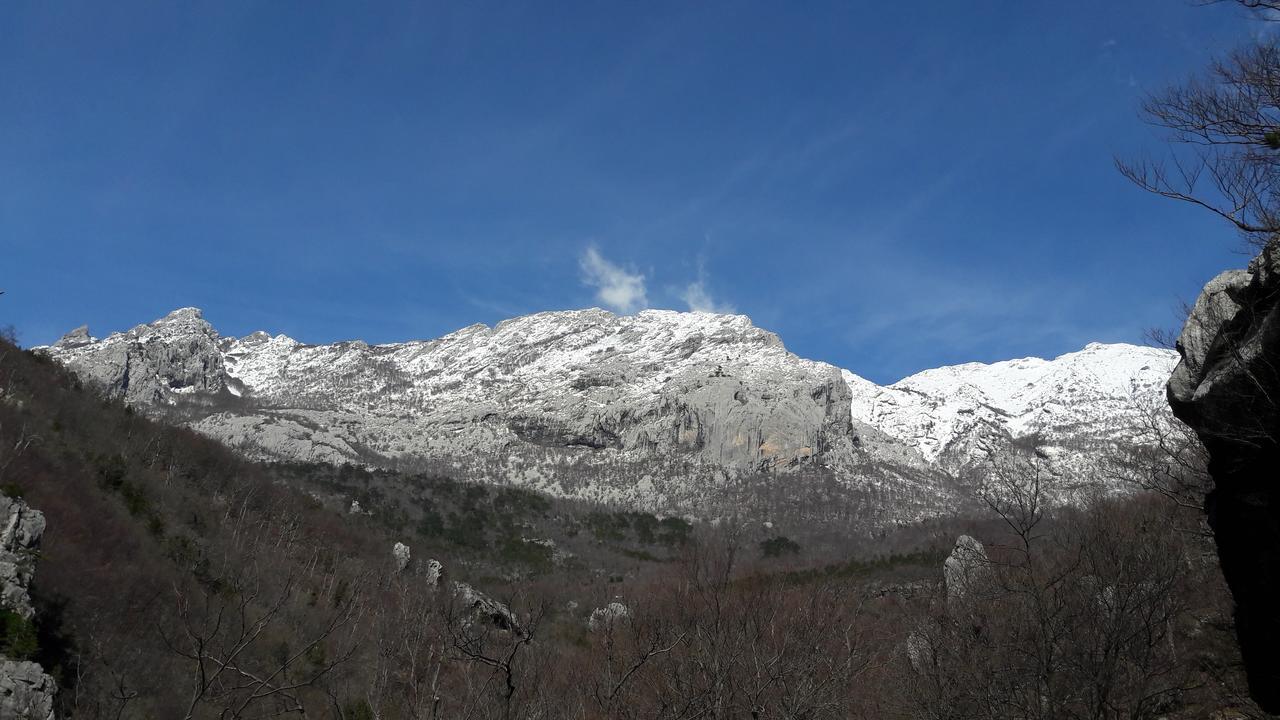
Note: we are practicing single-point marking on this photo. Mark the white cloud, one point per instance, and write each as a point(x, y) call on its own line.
point(695, 295)
point(617, 289)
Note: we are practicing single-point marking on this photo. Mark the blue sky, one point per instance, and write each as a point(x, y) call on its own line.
point(888, 186)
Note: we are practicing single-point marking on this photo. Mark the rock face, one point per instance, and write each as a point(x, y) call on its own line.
point(662, 411)
point(1227, 388)
point(26, 691)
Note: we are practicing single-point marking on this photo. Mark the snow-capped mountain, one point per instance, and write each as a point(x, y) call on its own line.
point(1071, 405)
point(663, 410)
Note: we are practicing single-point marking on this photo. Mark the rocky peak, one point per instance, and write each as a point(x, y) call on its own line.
point(76, 338)
point(151, 363)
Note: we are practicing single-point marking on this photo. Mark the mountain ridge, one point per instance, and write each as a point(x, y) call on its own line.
point(660, 408)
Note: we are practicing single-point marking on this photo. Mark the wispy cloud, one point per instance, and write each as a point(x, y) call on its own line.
point(699, 299)
point(616, 288)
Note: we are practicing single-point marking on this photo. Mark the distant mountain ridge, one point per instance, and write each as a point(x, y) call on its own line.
point(662, 410)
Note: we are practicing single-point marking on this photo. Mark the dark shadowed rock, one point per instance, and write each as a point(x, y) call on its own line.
point(1227, 388)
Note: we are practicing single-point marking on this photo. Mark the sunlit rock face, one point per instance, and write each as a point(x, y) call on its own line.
point(1227, 388)
point(661, 410)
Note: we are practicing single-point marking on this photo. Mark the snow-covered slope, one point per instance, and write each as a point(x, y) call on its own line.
point(1069, 406)
point(664, 410)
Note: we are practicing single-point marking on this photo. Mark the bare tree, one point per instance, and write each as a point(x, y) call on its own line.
point(240, 667)
point(1075, 614)
point(412, 645)
point(495, 642)
point(1168, 459)
point(1251, 4)
point(1224, 135)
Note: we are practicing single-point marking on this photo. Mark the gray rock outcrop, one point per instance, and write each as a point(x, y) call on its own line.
point(400, 553)
point(20, 531)
point(26, 691)
point(485, 609)
point(965, 569)
point(1227, 388)
point(965, 572)
point(433, 572)
point(604, 617)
